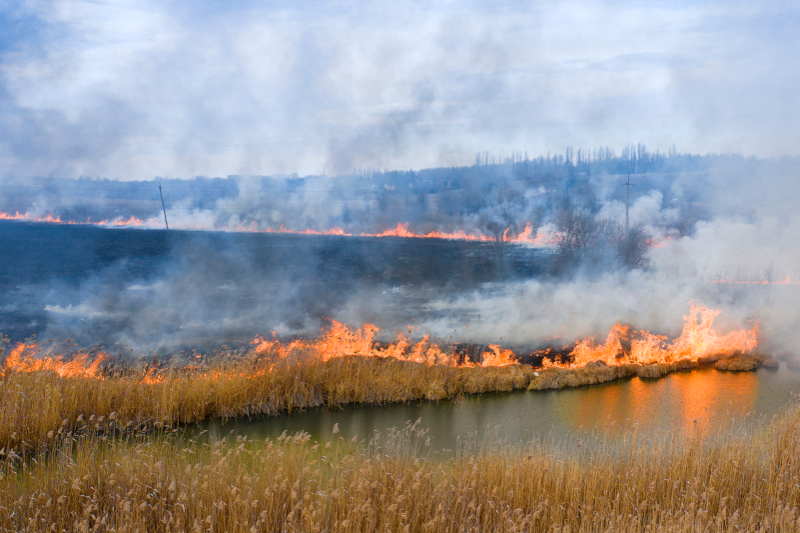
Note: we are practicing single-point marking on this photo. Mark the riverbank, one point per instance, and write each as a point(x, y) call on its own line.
point(39, 406)
point(742, 480)
point(36, 406)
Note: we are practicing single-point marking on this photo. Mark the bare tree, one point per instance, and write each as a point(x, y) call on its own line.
point(633, 245)
point(501, 228)
point(585, 240)
point(499, 245)
point(576, 231)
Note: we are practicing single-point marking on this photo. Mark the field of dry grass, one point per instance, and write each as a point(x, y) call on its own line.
point(100, 452)
point(739, 481)
point(36, 406)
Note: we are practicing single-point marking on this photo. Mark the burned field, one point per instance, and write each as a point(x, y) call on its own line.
point(222, 287)
point(164, 294)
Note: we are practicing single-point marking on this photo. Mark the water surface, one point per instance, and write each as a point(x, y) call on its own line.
point(703, 400)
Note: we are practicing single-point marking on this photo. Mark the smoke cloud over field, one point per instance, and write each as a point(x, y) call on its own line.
point(741, 255)
point(718, 231)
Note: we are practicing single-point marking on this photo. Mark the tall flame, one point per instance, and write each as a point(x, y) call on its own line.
point(697, 340)
point(28, 357)
point(342, 341)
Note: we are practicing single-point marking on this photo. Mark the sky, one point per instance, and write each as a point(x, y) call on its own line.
point(132, 90)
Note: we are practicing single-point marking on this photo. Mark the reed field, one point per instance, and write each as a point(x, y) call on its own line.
point(89, 444)
point(43, 396)
point(744, 479)
point(35, 406)
point(46, 386)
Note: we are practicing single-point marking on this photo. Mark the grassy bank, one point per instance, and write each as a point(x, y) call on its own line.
point(592, 374)
point(36, 406)
point(741, 481)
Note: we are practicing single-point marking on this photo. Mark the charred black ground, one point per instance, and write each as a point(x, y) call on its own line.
point(112, 277)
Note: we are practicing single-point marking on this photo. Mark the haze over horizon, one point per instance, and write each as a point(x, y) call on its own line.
point(128, 91)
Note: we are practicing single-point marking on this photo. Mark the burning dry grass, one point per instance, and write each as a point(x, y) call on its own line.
point(36, 407)
point(72, 456)
point(740, 481)
point(42, 396)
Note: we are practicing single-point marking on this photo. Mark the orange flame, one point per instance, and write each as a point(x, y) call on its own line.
point(623, 345)
point(341, 341)
point(526, 236)
point(585, 350)
point(695, 341)
point(49, 218)
point(498, 356)
point(27, 357)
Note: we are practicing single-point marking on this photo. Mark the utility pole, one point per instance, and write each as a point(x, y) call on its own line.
point(627, 186)
point(163, 207)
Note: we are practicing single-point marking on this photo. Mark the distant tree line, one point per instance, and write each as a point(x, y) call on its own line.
point(497, 196)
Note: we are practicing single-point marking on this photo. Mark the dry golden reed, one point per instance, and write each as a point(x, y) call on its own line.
point(740, 481)
point(34, 405)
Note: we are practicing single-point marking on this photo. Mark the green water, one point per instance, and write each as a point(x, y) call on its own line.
point(701, 400)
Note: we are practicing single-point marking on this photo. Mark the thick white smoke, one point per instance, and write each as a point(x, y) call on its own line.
point(743, 259)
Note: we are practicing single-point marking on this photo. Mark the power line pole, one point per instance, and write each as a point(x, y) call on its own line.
point(627, 186)
point(163, 207)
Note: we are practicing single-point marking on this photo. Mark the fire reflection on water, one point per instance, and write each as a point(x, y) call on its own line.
point(674, 402)
point(690, 401)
